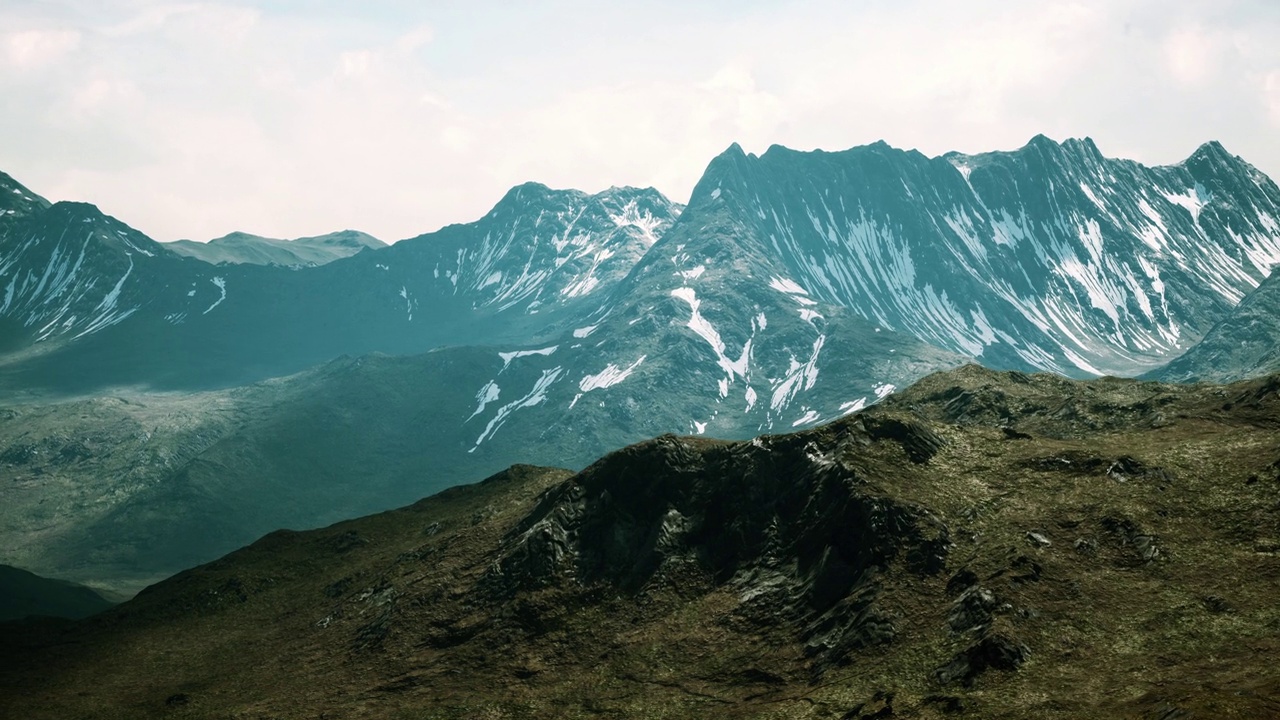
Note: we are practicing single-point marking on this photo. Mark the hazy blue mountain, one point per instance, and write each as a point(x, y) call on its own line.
point(93, 303)
point(242, 248)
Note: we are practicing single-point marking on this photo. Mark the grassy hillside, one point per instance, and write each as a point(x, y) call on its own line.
point(985, 544)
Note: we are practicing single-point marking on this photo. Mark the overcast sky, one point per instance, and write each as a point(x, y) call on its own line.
point(288, 118)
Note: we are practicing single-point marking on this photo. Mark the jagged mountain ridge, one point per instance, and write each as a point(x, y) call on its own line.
point(1049, 257)
point(68, 271)
point(239, 248)
point(584, 323)
point(992, 544)
point(180, 322)
point(750, 349)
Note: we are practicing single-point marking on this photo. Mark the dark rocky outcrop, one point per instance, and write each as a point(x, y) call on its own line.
point(799, 533)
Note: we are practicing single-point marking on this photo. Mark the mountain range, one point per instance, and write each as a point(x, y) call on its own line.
point(1051, 257)
point(164, 409)
point(242, 248)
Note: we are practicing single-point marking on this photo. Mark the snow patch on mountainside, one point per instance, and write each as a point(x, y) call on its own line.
point(809, 416)
point(587, 281)
point(809, 315)
point(535, 396)
point(610, 376)
point(853, 406)
point(733, 369)
point(221, 284)
point(408, 304)
point(693, 273)
point(787, 285)
point(1192, 200)
point(487, 394)
point(507, 357)
point(800, 377)
point(644, 221)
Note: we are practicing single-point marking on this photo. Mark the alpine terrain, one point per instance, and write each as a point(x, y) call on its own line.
point(162, 410)
point(982, 544)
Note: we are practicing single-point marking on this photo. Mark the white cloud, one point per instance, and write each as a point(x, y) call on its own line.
point(207, 19)
point(355, 63)
point(98, 95)
point(27, 50)
point(414, 39)
point(194, 119)
point(1271, 95)
point(1192, 55)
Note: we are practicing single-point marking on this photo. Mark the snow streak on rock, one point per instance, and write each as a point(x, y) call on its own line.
point(643, 221)
point(487, 394)
point(507, 357)
point(221, 284)
point(610, 376)
point(535, 397)
point(800, 377)
point(52, 286)
point(733, 368)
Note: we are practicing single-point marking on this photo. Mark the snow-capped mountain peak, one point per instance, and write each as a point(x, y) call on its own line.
point(1049, 257)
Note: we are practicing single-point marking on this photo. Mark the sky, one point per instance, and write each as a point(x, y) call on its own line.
point(288, 118)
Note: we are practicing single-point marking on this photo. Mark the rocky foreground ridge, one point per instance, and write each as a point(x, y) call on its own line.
point(982, 544)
